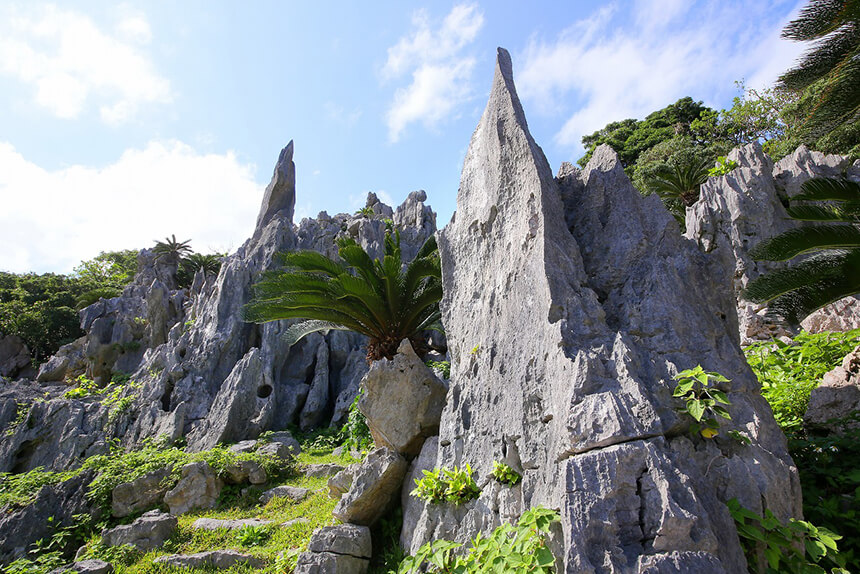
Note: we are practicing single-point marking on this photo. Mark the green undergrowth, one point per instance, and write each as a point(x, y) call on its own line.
point(789, 371)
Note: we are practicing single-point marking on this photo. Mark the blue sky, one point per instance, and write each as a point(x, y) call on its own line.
point(121, 124)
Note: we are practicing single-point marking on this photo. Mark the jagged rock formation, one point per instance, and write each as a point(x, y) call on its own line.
point(14, 355)
point(738, 210)
point(577, 333)
point(200, 370)
point(837, 397)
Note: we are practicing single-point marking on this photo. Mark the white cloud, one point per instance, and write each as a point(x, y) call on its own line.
point(613, 71)
point(54, 219)
point(69, 62)
point(441, 73)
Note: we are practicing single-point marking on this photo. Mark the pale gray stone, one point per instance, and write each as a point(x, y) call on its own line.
point(92, 567)
point(375, 486)
point(246, 471)
point(216, 524)
point(567, 316)
point(146, 533)
point(218, 559)
point(339, 484)
point(322, 470)
point(140, 494)
point(294, 493)
point(14, 355)
point(329, 563)
point(280, 196)
point(349, 539)
point(412, 510)
point(279, 450)
point(403, 401)
point(198, 488)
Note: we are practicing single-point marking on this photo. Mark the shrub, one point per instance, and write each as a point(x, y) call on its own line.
point(520, 548)
point(447, 485)
point(796, 547)
point(702, 400)
point(789, 372)
point(443, 366)
point(355, 433)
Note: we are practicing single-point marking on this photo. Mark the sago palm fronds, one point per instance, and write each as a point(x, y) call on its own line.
point(378, 298)
point(831, 272)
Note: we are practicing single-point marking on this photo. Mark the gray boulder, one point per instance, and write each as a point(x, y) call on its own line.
point(403, 401)
point(567, 315)
point(66, 364)
point(14, 355)
point(324, 469)
point(146, 533)
point(375, 485)
point(140, 494)
point(837, 397)
point(217, 559)
point(294, 493)
point(341, 549)
point(198, 488)
point(246, 471)
point(92, 567)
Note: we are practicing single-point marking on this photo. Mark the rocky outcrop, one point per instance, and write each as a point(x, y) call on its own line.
point(374, 485)
point(148, 532)
point(14, 356)
point(200, 371)
point(837, 397)
point(341, 549)
point(738, 210)
point(216, 524)
point(402, 402)
point(214, 559)
point(294, 493)
point(54, 508)
point(567, 321)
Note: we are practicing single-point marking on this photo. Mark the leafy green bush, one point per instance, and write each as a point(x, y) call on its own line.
point(702, 400)
point(830, 481)
point(789, 372)
point(355, 432)
point(20, 489)
point(520, 548)
point(505, 474)
point(795, 548)
point(447, 485)
point(443, 366)
point(250, 535)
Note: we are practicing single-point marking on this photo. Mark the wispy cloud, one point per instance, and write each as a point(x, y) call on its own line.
point(71, 214)
point(612, 70)
point(70, 63)
point(441, 71)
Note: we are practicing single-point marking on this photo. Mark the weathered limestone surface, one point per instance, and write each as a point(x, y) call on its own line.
point(203, 372)
point(148, 532)
point(198, 488)
point(214, 559)
point(738, 210)
point(140, 494)
point(402, 402)
point(374, 484)
point(577, 333)
point(341, 549)
point(14, 355)
point(838, 395)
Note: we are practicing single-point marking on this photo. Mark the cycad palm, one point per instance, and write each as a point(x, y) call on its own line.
point(831, 271)
point(678, 185)
point(378, 298)
point(210, 263)
point(171, 249)
point(831, 66)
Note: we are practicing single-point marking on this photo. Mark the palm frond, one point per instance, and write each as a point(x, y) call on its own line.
point(298, 331)
point(804, 239)
point(828, 189)
point(310, 261)
point(776, 283)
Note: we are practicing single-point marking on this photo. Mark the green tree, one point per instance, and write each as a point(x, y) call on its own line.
point(378, 298)
point(209, 263)
point(678, 183)
point(831, 67)
point(831, 268)
point(630, 138)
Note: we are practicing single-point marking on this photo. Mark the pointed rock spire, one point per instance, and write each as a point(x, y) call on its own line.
point(280, 196)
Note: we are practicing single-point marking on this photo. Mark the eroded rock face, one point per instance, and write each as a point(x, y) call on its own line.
point(374, 484)
point(564, 344)
point(403, 401)
point(341, 549)
point(198, 488)
point(14, 355)
point(146, 533)
point(213, 559)
point(140, 494)
point(737, 211)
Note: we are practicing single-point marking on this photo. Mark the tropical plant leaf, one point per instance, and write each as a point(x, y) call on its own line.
point(298, 331)
point(804, 239)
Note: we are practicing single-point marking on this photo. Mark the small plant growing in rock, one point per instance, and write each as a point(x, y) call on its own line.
point(365, 212)
point(505, 474)
point(447, 485)
point(723, 167)
point(443, 366)
point(702, 400)
point(520, 548)
point(355, 433)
